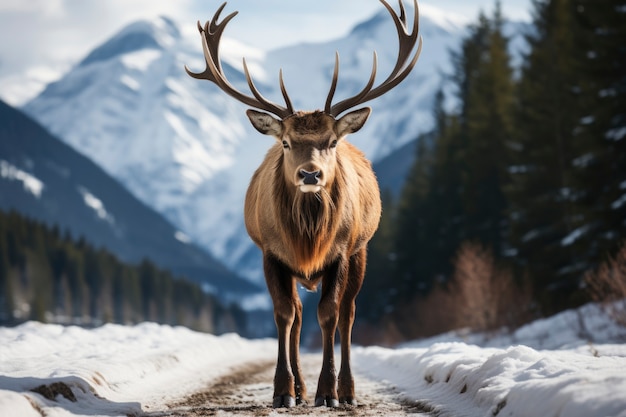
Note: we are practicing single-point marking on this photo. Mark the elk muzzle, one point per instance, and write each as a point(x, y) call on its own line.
point(310, 181)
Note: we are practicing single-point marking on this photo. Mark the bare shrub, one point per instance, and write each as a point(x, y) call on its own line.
point(607, 285)
point(487, 296)
point(427, 315)
point(384, 333)
point(481, 295)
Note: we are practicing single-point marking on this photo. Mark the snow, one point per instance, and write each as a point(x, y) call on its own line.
point(113, 370)
point(31, 184)
point(182, 237)
point(616, 134)
point(619, 202)
point(140, 60)
point(96, 205)
point(547, 368)
point(574, 235)
point(130, 82)
point(445, 19)
point(466, 380)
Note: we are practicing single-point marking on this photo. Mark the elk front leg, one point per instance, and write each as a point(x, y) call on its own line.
point(327, 316)
point(300, 386)
point(282, 289)
point(356, 273)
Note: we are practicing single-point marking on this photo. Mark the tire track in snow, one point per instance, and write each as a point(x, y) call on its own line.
point(248, 390)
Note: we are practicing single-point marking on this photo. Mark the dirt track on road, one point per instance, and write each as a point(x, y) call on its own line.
point(247, 391)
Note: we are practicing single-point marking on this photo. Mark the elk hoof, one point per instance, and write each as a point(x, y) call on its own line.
point(286, 401)
point(348, 401)
point(327, 401)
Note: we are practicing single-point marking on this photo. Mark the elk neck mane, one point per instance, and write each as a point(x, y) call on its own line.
point(309, 221)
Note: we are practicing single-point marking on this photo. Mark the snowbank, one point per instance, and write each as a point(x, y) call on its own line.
point(111, 370)
point(116, 370)
point(567, 365)
point(456, 379)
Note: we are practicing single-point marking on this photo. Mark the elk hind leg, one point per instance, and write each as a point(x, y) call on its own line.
point(327, 316)
point(356, 273)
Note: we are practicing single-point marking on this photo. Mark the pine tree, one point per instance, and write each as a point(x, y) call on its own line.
point(147, 279)
point(93, 282)
point(75, 273)
point(7, 304)
point(412, 235)
point(601, 160)
point(544, 194)
point(375, 295)
point(486, 128)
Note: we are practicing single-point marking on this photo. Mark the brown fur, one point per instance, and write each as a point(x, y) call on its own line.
point(312, 123)
point(307, 231)
point(313, 238)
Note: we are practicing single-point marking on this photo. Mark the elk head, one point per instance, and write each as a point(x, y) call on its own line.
point(309, 139)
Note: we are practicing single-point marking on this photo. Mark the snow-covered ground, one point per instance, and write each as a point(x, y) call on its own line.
point(573, 364)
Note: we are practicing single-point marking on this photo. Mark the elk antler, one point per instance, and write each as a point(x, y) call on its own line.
point(399, 73)
point(211, 34)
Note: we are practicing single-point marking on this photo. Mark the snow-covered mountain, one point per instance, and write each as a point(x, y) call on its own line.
point(186, 149)
point(47, 180)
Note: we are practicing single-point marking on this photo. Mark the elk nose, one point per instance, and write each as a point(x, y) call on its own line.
point(310, 178)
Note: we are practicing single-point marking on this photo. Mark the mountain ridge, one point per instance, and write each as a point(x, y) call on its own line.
point(47, 180)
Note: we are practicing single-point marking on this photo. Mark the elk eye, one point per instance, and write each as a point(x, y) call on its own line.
point(333, 144)
point(285, 144)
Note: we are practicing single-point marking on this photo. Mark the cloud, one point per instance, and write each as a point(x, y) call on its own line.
point(47, 37)
point(53, 31)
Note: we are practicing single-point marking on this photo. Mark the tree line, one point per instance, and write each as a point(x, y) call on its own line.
point(48, 276)
point(522, 184)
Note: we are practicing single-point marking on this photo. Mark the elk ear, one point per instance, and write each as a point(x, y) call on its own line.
point(352, 121)
point(265, 123)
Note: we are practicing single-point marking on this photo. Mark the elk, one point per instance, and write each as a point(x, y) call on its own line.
point(311, 207)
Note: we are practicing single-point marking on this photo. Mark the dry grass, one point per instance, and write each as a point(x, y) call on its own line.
point(607, 285)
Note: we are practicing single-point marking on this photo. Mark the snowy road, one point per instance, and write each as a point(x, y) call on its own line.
point(570, 365)
point(247, 391)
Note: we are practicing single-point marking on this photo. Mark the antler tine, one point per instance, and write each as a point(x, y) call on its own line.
point(406, 40)
point(268, 105)
point(333, 85)
point(283, 90)
point(213, 32)
point(211, 35)
point(400, 71)
point(359, 96)
point(214, 25)
point(402, 12)
point(204, 74)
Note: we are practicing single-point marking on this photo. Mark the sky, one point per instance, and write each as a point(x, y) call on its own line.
point(43, 38)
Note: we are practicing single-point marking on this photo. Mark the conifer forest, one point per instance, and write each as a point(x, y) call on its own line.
point(520, 189)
